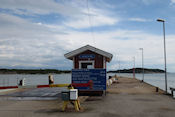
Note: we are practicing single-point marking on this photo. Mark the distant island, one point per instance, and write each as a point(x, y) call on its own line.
point(55, 71)
point(137, 70)
point(32, 71)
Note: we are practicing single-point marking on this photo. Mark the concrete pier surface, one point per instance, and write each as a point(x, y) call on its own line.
point(127, 98)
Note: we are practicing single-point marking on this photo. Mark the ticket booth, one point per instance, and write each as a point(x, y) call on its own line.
point(89, 64)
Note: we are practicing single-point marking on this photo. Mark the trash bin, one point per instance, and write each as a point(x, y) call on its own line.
point(65, 95)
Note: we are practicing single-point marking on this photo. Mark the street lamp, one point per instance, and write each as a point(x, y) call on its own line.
point(142, 65)
point(134, 67)
point(119, 68)
point(163, 21)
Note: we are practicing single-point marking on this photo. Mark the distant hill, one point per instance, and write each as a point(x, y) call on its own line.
point(47, 71)
point(32, 71)
point(138, 70)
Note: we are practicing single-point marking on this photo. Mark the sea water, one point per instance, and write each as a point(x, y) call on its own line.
point(157, 79)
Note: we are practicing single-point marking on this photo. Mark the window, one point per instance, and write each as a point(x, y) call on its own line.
point(86, 64)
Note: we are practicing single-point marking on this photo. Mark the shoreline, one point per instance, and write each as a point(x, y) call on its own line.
point(70, 73)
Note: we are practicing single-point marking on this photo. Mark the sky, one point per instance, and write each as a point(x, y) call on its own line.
point(35, 34)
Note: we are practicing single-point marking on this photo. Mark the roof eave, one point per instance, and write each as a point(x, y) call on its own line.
point(73, 53)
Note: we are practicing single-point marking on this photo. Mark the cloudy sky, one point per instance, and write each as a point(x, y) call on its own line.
point(37, 34)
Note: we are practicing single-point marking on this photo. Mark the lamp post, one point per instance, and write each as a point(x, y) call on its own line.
point(142, 65)
point(163, 21)
point(119, 68)
point(134, 67)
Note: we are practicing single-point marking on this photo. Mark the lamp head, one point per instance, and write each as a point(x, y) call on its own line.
point(160, 20)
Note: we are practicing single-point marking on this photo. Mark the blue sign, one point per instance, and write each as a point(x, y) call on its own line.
point(98, 77)
point(85, 56)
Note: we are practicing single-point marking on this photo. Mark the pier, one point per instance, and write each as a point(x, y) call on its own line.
point(127, 98)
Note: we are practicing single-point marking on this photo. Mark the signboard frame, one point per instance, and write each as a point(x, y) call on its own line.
point(97, 76)
point(86, 56)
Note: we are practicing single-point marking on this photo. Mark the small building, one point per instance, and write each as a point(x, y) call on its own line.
point(89, 57)
point(89, 66)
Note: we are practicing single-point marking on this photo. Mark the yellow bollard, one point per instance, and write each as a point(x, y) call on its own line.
point(76, 103)
point(79, 104)
point(65, 105)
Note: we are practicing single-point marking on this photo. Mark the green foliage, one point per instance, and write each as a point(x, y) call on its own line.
point(138, 70)
point(32, 71)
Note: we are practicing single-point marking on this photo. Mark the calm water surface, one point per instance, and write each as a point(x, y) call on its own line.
point(12, 79)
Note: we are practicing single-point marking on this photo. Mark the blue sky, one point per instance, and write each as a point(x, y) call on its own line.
point(37, 34)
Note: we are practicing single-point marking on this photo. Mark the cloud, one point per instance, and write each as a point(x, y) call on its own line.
point(97, 20)
point(94, 17)
point(12, 26)
point(33, 7)
point(37, 45)
point(29, 43)
point(126, 44)
point(148, 2)
point(173, 1)
point(139, 20)
point(77, 12)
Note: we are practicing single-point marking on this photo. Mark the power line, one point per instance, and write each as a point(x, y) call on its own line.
point(90, 23)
